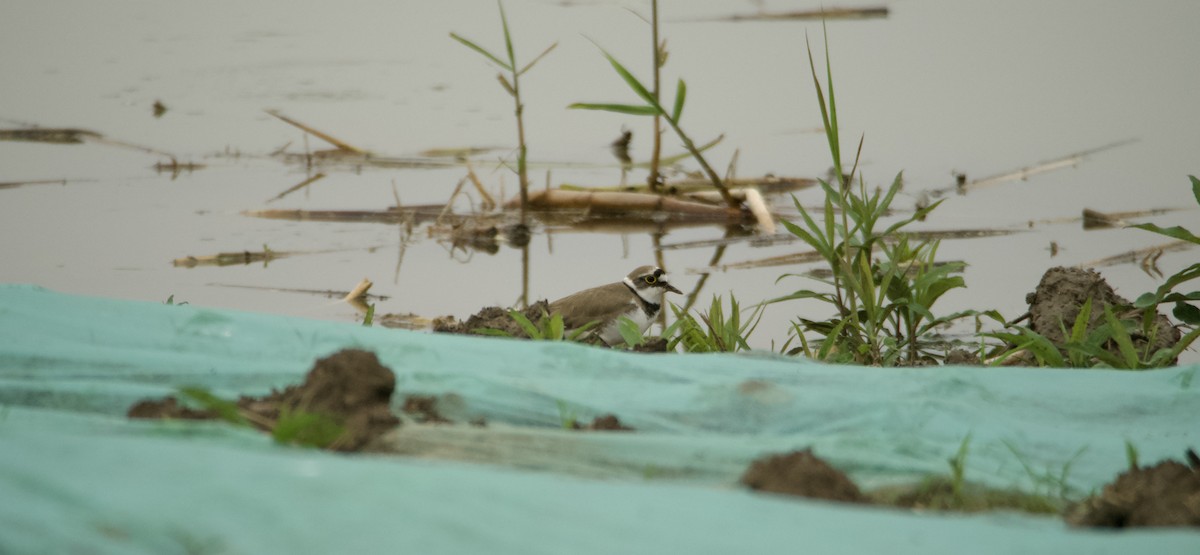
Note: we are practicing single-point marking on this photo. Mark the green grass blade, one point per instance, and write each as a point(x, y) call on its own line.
point(1195, 188)
point(531, 330)
point(631, 109)
point(633, 82)
point(226, 410)
point(1121, 335)
point(1175, 232)
point(508, 44)
point(629, 331)
point(482, 51)
point(680, 96)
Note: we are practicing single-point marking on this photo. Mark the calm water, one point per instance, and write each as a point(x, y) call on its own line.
point(937, 87)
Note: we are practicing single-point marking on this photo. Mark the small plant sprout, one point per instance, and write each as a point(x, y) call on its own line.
point(512, 84)
point(549, 328)
point(1131, 455)
point(715, 331)
point(566, 415)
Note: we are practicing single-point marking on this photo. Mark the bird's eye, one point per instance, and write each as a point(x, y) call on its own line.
point(650, 279)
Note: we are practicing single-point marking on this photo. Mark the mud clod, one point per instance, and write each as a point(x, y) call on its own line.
point(801, 473)
point(350, 388)
point(607, 423)
point(1057, 301)
point(424, 409)
point(1167, 494)
point(493, 317)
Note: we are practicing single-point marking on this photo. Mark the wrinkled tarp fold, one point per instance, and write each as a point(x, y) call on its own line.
point(76, 476)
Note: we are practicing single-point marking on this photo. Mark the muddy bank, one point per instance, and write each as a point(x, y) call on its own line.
point(343, 404)
point(1167, 494)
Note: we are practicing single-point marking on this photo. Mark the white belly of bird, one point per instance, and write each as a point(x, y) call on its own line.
point(612, 334)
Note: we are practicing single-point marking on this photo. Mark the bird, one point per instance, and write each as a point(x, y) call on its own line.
point(639, 297)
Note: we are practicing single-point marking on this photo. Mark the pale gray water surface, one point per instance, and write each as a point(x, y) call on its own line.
point(937, 87)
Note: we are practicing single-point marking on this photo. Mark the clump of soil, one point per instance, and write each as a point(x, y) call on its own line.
point(1057, 301)
point(168, 408)
point(604, 423)
point(350, 388)
point(962, 357)
point(801, 473)
point(424, 409)
point(493, 317)
point(1167, 494)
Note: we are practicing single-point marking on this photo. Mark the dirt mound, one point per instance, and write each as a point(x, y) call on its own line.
point(1167, 494)
point(349, 388)
point(1056, 303)
point(493, 317)
point(801, 473)
point(603, 423)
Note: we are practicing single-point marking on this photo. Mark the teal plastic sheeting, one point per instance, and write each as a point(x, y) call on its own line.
point(77, 477)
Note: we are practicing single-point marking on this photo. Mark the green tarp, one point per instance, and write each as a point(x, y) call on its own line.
point(76, 476)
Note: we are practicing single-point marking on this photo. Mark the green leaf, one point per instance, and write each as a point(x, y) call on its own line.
point(629, 331)
point(531, 330)
point(508, 44)
point(577, 333)
point(306, 428)
point(1195, 188)
point(1121, 335)
point(226, 410)
point(493, 332)
point(554, 328)
point(680, 95)
point(631, 109)
point(632, 81)
point(1175, 232)
point(480, 50)
point(1187, 313)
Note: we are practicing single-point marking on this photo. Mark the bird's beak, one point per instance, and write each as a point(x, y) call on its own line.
point(672, 288)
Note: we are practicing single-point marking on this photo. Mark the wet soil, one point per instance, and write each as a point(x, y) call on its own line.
point(803, 474)
point(1166, 494)
point(604, 423)
point(492, 317)
point(1060, 295)
point(350, 388)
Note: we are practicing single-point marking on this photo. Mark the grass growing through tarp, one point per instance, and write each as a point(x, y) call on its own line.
point(291, 427)
point(954, 492)
point(883, 285)
point(512, 85)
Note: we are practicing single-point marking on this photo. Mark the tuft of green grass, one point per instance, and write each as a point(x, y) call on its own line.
point(308, 429)
point(566, 415)
point(883, 285)
point(717, 330)
point(549, 328)
point(292, 427)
